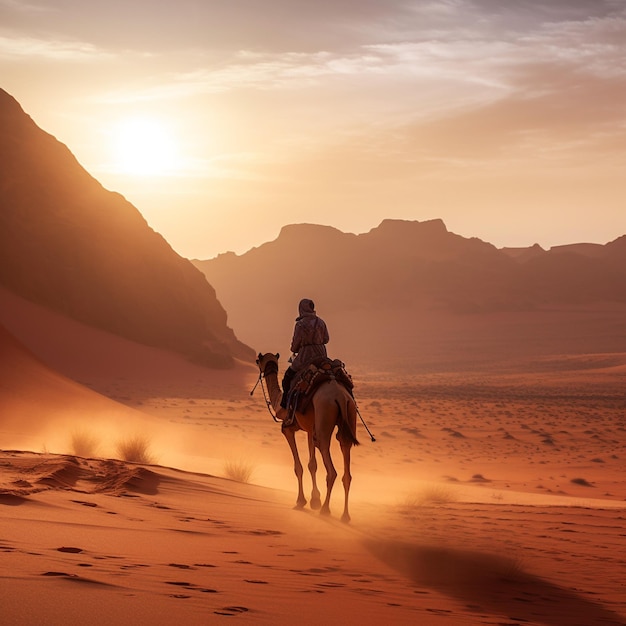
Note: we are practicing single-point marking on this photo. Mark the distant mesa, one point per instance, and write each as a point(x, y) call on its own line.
point(410, 290)
point(71, 245)
point(422, 265)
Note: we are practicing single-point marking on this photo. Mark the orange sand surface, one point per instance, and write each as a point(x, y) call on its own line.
point(489, 497)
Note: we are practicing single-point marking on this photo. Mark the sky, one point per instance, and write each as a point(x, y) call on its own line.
point(222, 121)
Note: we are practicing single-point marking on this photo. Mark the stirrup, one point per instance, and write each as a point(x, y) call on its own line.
point(290, 417)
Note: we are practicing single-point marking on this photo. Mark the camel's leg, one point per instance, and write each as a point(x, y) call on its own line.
point(347, 479)
point(290, 436)
point(316, 501)
point(323, 441)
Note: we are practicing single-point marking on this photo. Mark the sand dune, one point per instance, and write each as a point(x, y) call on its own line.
point(104, 361)
point(38, 403)
point(108, 542)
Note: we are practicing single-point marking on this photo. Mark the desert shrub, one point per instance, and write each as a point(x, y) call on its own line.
point(135, 449)
point(240, 470)
point(431, 495)
point(84, 444)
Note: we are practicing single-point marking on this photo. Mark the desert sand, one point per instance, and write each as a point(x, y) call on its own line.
point(490, 496)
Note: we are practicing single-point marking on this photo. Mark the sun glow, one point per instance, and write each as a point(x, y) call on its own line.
point(145, 146)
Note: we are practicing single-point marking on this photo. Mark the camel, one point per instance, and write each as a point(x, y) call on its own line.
point(331, 406)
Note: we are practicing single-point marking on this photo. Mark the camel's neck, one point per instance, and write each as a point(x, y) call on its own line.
point(274, 390)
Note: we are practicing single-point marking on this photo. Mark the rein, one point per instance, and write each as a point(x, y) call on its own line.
point(265, 394)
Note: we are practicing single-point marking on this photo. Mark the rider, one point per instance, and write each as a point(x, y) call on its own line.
point(310, 337)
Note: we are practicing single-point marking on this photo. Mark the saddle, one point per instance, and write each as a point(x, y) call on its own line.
point(310, 378)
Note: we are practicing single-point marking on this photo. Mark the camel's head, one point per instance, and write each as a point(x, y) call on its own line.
point(268, 363)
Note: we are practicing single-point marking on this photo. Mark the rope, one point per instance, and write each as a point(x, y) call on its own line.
point(364, 424)
point(265, 396)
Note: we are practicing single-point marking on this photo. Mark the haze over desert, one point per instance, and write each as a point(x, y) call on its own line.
point(442, 184)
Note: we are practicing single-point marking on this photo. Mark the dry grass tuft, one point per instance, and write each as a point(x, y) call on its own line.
point(135, 449)
point(240, 470)
point(431, 495)
point(84, 444)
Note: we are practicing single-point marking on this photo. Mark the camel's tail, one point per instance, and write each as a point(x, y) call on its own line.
point(346, 430)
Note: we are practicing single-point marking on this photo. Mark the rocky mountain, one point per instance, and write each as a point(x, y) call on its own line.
point(418, 264)
point(407, 284)
point(79, 249)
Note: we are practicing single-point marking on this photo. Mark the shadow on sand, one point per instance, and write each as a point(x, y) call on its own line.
point(490, 583)
point(10, 499)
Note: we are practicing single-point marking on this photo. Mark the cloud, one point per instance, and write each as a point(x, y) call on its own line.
point(250, 70)
point(460, 64)
point(22, 48)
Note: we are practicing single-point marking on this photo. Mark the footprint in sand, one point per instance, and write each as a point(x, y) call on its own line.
point(368, 591)
point(261, 533)
point(439, 611)
point(77, 579)
point(231, 610)
point(190, 587)
point(70, 550)
point(330, 585)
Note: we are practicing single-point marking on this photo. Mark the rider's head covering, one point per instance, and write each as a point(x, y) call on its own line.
point(306, 307)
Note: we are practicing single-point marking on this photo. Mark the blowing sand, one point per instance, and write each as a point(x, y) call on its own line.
point(494, 497)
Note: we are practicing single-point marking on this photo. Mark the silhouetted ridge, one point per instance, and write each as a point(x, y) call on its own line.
point(420, 264)
point(311, 232)
point(71, 245)
point(390, 228)
point(524, 254)
point(616, 250)
point(403, 287)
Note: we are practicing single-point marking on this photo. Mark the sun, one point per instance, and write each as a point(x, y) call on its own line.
point(144, 146)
